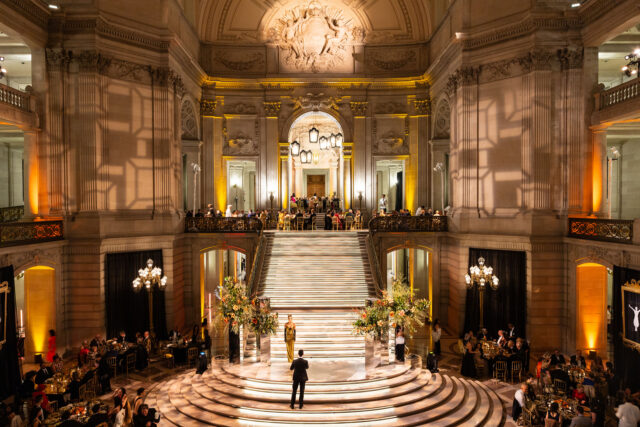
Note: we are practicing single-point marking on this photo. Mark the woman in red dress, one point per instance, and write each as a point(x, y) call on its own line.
point(52, 345)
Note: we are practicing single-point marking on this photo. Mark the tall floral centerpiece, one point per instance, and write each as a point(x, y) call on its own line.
point(398, 308)
point(235, 311)
point(238, 314)
point(264, 323)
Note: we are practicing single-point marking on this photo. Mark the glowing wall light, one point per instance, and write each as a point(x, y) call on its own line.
point(40, 307)
point(591, 302)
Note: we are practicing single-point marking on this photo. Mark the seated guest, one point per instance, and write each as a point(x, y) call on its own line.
point(557, 358)
point(13, 419)
point(579, 395)
point(74, 387)
point(98, 417)
point(511, 347)
point(44, 401)
point(147, 341)
point(28, 385)
point(67, 421)
point(43, 374)
point(520, 351)
point(83, 354)
point(553, 417)
point(144, 418)
point(97, 341)
point(483, 335)
point(581, 420)
point(502, 340)
point(519, 402)
point(174, 335)
point(578, 360)
point(36, 414)
point(57, 366)
point(327, 221)
point(122, 338)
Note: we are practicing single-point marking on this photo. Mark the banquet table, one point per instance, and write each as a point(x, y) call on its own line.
point(568, 408)
point(79, 412)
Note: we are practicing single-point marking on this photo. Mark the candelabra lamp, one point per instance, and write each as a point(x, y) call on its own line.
point(150, 279)
point(480, 276)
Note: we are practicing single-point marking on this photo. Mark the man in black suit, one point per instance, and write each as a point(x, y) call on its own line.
point(578, 360)
point(43, 374)
point(299, 368)
point(512, 333)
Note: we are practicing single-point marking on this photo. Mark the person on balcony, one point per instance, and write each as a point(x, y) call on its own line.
point(382, 204)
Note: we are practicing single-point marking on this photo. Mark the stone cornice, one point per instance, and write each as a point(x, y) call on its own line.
point(94, 61)
point(31, 10)
point(108, 30)
point(527, 26)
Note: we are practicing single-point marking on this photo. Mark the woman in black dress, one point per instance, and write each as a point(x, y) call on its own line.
point(468, 364)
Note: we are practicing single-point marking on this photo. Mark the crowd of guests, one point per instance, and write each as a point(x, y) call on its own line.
point(33, 404)
point(595, 389)
point(507, 346)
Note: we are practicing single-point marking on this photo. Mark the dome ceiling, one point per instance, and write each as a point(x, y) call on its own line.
point(254, 21)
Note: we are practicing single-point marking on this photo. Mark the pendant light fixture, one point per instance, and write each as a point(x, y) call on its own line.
point(324, 143)
point(313, 135)
point(332, 140)
point(295, 148)
point(339, 139)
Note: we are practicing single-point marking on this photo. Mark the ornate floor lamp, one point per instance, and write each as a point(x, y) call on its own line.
point(150, 278)
point(480, 276)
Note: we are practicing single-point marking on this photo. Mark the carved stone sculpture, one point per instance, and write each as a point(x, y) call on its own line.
point(390, 143)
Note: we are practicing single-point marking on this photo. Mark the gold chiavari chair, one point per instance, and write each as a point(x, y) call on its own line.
point(300, 223)
point(287, 223)
point(130, 363)
point(335, 222)
point(82, 391)
point(112, 362)
point(348, 223)
point(516, 370)
point(560, 385)
point(500, 370)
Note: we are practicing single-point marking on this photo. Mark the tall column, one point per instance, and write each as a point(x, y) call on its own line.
point(600, 203)
point(362, 182)
point(284, 177)
point(211, 125)
point(30, 158)
point(347, 158)
point(421, 159)
point(272, 152)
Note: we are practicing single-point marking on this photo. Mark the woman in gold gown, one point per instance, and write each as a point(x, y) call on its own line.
point(290, 337)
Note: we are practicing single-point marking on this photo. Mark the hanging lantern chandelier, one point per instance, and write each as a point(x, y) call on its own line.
point(339, 139)
point(295, 148)
point(324, 143)
point(313, 135)
point(332, 140)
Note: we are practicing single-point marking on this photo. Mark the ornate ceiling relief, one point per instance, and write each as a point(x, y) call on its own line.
point(315, 38)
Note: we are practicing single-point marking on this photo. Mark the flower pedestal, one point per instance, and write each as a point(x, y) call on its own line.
point(264, 351)
point(376, 351)
point(234, 346)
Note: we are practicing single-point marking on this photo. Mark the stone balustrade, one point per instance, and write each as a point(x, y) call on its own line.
point(15, 98)
point(11, 213)
point(222, 225)
point(617, 94)
point(24, 233)
point(408, 224)
point(606, 230)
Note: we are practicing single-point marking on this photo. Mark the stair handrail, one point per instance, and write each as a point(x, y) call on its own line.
point(256, 266)
point(375, 265)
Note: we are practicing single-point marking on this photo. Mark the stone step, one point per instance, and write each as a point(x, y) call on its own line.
point(223, 399)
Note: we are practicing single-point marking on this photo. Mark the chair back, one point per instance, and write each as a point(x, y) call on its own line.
point(335, 222)
point(501, 365)
point(300, 223)
point(82, 391)
point(516, 366)
point(112, 361)
point(348, 223)
point(560, 385)
point(131, 361)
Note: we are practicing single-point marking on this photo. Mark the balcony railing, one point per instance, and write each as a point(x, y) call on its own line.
point(15, 98)
point(407, 224)
point(618, 94)
point(23, 233)
point(222, 225)
point(606, 230)
point(11, 213)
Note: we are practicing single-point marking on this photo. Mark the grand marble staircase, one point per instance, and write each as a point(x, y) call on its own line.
point(403, 397)
point(319, 278)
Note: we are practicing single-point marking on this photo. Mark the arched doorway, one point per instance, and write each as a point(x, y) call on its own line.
point(315, 163)
point(35, 308)
point(593, 296)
